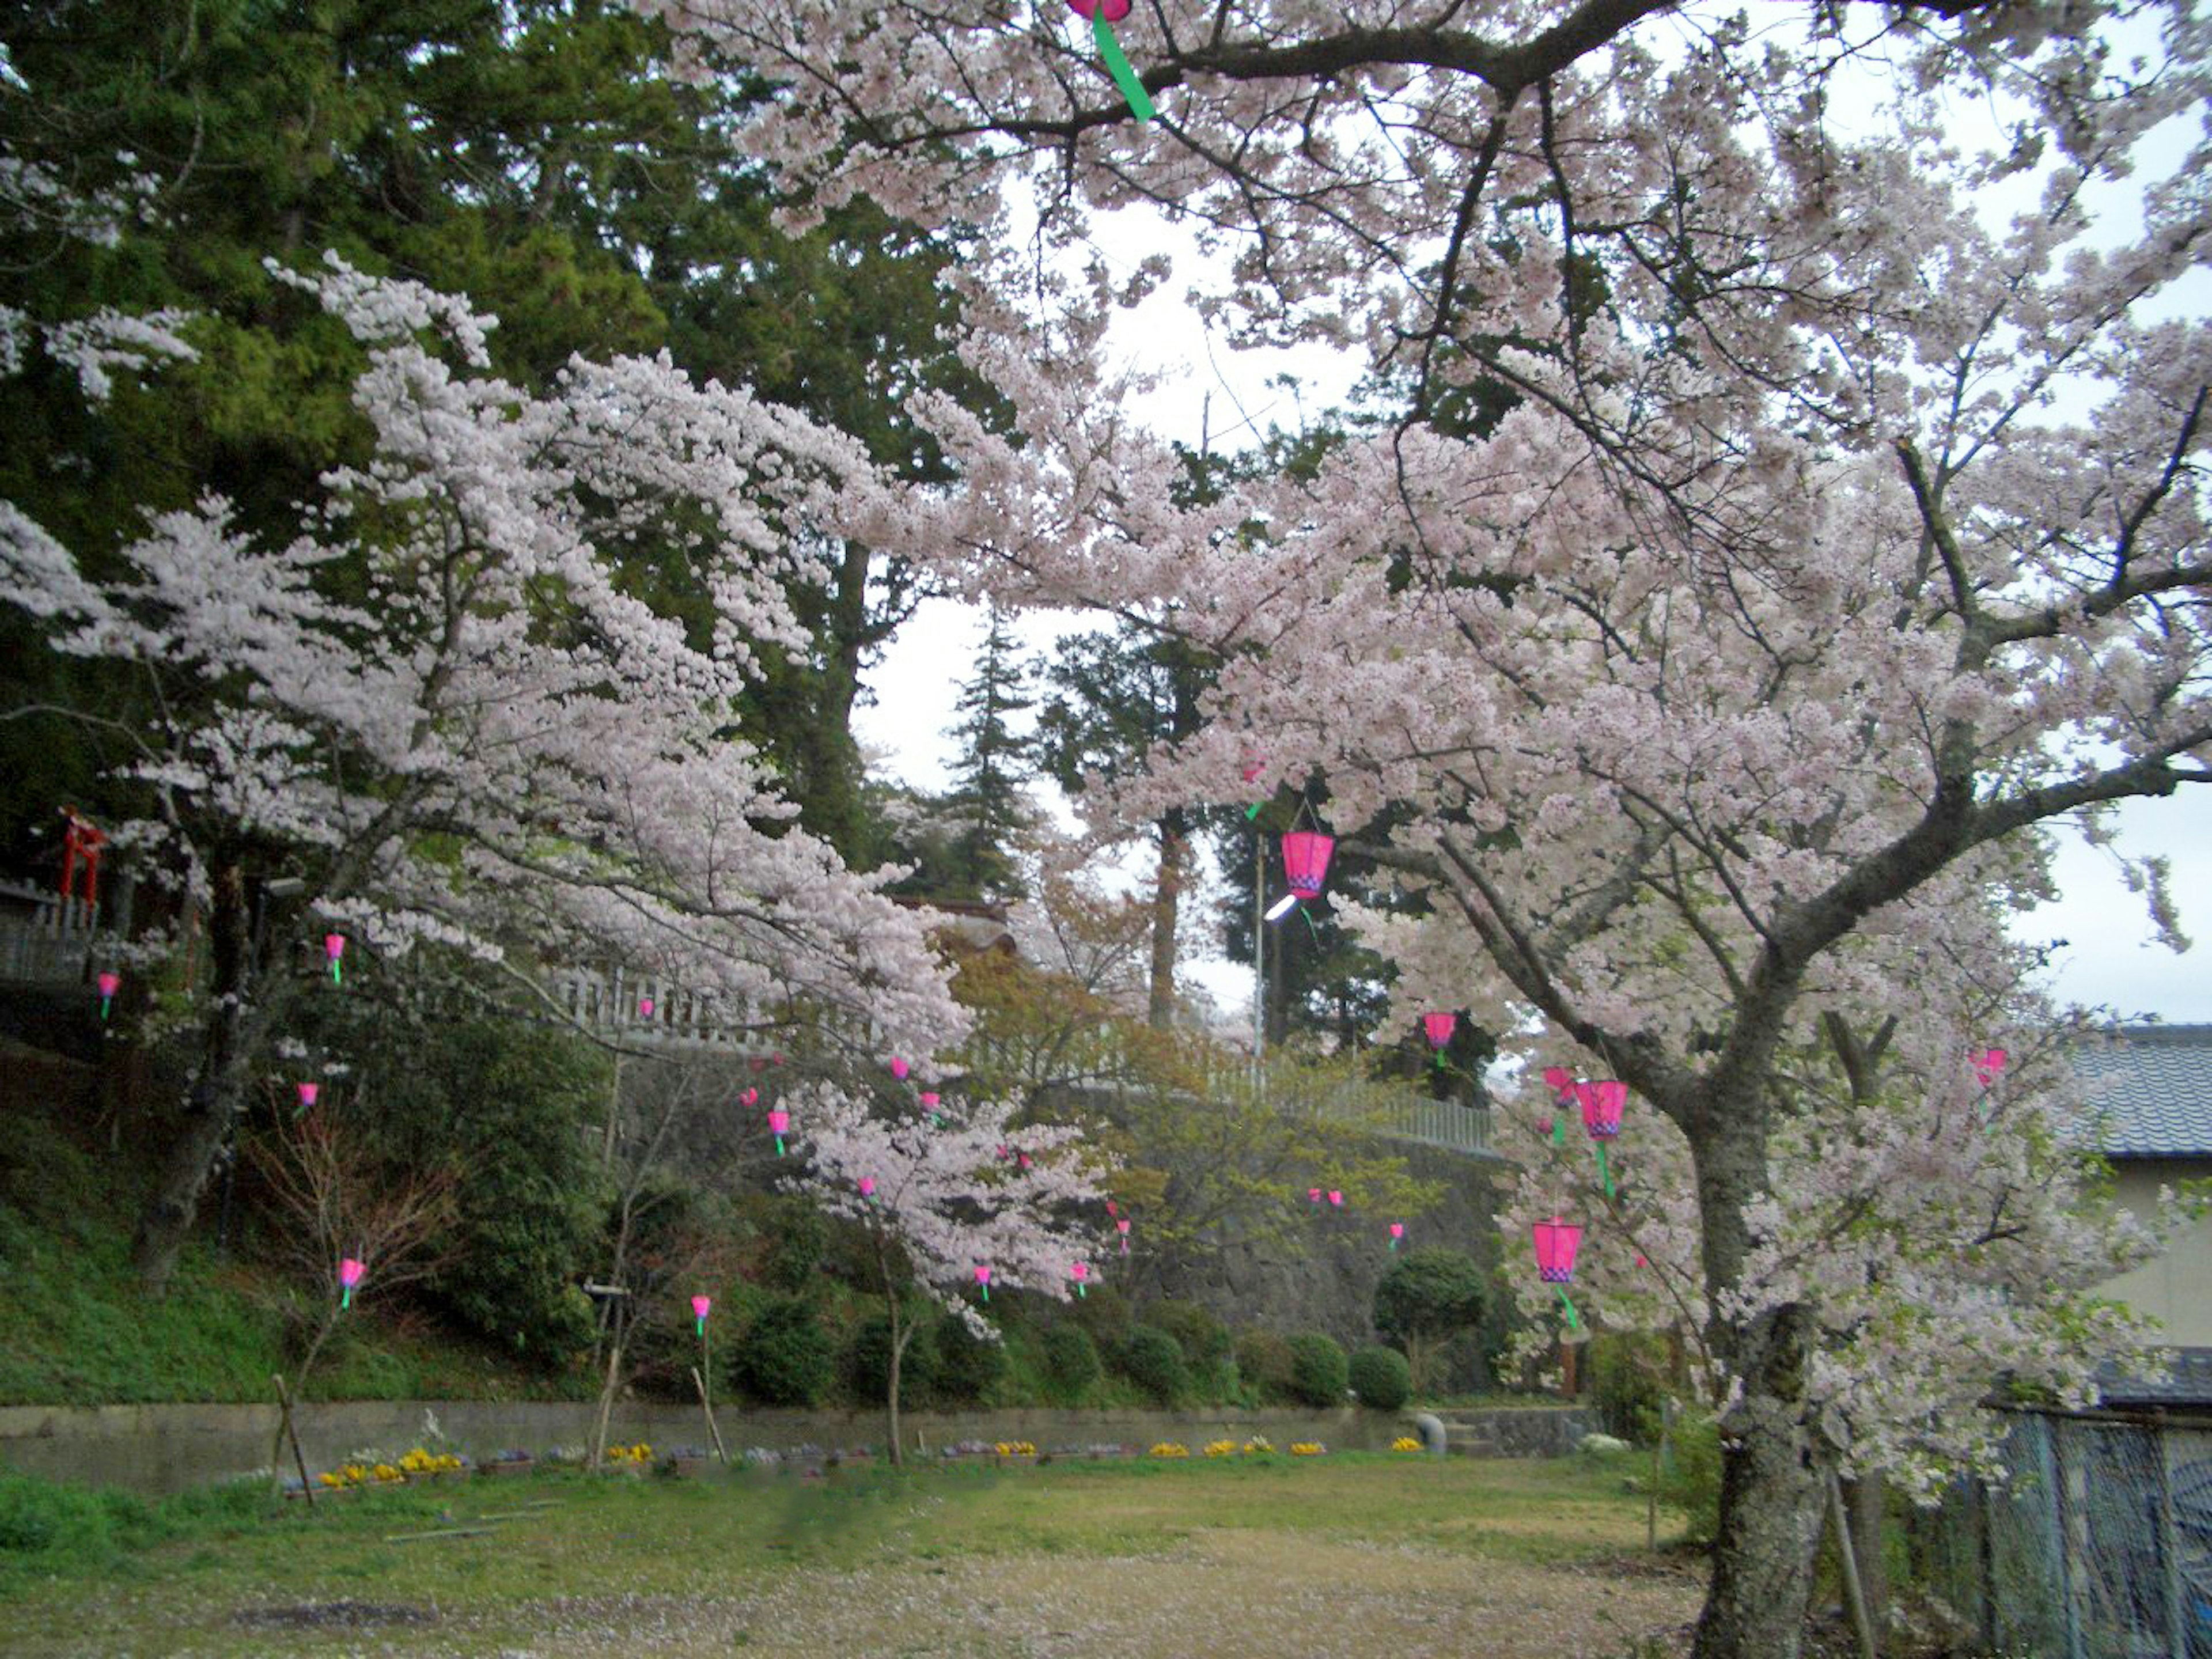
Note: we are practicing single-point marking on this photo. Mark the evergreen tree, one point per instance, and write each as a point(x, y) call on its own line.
point(994, 761)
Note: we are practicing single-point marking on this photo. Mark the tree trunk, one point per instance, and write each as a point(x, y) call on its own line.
point(899, 1335)
point(1167, 903)
point(217, 1093)
point(1771, 1503)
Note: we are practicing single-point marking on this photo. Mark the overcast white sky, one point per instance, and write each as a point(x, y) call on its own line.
point(2111, 959)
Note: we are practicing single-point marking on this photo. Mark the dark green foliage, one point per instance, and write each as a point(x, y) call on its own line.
point(1319, 1375)
point(1627, 1373)
point(799, 1241)
point(1263, 1360)
point(785, 1357)
point(967, 1365)
point(510, 1105)
point(1689, 1476)
point(866, 1364)
point(986, 809)
point(1154, 1360)
point(1427, 1298)
point(1381, 1377)
point(1071, 1364)
point(1204, 1338)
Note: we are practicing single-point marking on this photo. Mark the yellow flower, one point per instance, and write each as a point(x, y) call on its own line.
point(1221, 1449)
point(1308, 1449)
point(386, 1472)
point(1405, 1443)
point(1170, 1449)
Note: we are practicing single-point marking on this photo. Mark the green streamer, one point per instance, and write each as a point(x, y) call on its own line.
point(1604, 1169)
point(1559, 1132)
point(1574, 1318)
point(1140, 101)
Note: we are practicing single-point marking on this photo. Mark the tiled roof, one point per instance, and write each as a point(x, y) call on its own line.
point(2187, 1382)
point(2154, 1084)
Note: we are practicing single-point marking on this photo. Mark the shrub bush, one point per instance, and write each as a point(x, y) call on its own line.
point(1381, 1378)
point(511, 1107)
point(1426, 1298)
point(1263, 1360)
point(1071, 1365)
point(1319, 1375)
point(1628, 1383)
point(799, 1238)
point(967, 1365)
point(1205, 1339)
point(786, 1358)
point(1154, 1360)
point(867, 1362)
point(1690, 1475)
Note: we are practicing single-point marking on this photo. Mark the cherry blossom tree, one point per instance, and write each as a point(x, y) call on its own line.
point(1786, 499)
point(956, 1200)
point(436, 708)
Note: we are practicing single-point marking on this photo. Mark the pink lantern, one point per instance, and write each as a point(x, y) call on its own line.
point(1305, 860)
point(899, 1069)
point(1079, 1271)
point(1397, 1232)
point(867, 1187)
point(751, 1097)
point(1438, 1028)
point(983, 1279)
point(1602, 1103)
point(700, 1307)
point(1559, 1079)
point(1110, 1210)
point(1987, 1064)
point(1024, 1157)
point(1335, 1199)
point(778, 1121)
point(1256, 765)
point(350, 1275)
point(307, 1093)
point(1557, 1242)
point(109, 984)
point(334, 948)
point(1123, 1226)
point(929, 1104)
point(1312, 1194)
point(645, 1008)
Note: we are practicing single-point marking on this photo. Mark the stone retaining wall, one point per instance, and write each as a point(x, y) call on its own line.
point(163, 1448)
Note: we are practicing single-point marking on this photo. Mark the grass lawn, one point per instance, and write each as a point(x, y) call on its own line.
point(1353, 1555)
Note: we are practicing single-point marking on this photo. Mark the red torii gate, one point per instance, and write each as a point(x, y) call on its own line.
point(81, 841)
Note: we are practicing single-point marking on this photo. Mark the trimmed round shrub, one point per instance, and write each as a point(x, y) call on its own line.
point(867, 1362)
point(1381, 1378)
point(786, 1358)
point(967, 1365)
point(1263, 1360)
point(1071, 1361)
point(1426, 1300)
point(1154, 1360)
point(1319, 1375)
point(1205, 1339)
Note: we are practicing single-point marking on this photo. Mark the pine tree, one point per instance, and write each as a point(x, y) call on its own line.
point(994, 761)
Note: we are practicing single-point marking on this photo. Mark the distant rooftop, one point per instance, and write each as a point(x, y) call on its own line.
point(2188, 1381)
point(2154, 1082)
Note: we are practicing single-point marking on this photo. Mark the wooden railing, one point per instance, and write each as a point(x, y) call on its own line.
point(47, 940)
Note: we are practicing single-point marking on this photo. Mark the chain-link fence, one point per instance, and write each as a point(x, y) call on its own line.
point(2098, 1546)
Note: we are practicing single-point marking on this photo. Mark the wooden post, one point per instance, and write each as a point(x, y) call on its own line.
point(707, 1407)
point(1852, 1593)
point(284, 1427)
